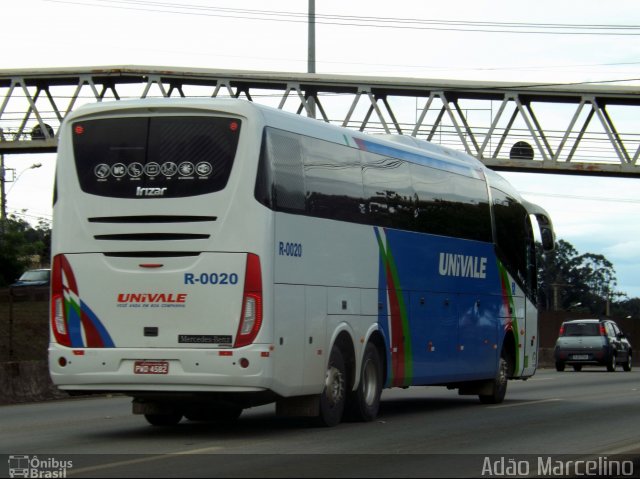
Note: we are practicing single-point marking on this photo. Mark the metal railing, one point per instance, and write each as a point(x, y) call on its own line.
point(582, 129)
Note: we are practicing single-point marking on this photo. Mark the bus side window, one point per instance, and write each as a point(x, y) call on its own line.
point(389, 197)
point(333, 181)
point(285, 152)
point(511, 233)
point(449, 204)
point(530, 252)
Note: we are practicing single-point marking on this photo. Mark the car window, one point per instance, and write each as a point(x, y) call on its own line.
point(610, 331)
point(35, 275)
point(581, 329)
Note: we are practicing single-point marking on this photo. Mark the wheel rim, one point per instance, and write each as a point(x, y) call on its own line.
point(502, 375)
point(370, 382)
point(334, 385)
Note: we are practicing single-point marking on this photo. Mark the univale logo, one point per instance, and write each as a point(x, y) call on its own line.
point(131, 298)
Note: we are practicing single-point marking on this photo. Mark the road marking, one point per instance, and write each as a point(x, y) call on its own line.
point(141, 460)
point(527, 403)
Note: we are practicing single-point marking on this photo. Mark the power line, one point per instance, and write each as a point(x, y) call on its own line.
point(366, 21)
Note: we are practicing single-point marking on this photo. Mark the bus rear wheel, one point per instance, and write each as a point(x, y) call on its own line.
point(499, 384)
point(363, 404)
point(333, 397)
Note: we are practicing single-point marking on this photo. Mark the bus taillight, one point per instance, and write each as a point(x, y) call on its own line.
point(58, 313)
point(251, 315)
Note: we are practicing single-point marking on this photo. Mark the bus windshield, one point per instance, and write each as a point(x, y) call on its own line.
point(166, 156)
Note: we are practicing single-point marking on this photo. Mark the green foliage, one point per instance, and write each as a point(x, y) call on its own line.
point(571, 281)
point(19, 243)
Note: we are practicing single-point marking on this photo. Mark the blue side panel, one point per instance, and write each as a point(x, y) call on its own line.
point(419, 258)
point(434, 327)
point(453, 295)
point(478, 325)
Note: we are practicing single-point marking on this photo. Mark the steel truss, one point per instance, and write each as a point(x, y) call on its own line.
point(585, 129)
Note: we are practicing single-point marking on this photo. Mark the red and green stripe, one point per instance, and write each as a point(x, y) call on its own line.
point(401, 371)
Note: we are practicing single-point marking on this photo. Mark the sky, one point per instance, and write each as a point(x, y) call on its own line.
point(501, 40)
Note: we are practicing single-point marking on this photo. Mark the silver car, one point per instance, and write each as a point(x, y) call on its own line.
point(592, 341)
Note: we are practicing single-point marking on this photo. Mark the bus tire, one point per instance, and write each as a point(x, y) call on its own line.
point(499, 384)
point(163, 419)
point(333, 397)
point(364, 402)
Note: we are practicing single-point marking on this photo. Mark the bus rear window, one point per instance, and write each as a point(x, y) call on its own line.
point(154, 157)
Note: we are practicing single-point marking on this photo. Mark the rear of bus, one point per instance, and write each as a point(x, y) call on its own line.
point(159, 252)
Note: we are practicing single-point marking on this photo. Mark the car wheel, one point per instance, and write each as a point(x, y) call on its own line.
point(611, 367)
point(627, 366)
point(559, 366)
point(363, 404)
point(577, 367)
point(333, 397)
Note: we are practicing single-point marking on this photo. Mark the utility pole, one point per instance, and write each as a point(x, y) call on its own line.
point(311, 55)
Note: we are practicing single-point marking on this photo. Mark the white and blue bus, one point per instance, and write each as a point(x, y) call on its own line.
point(211, 255)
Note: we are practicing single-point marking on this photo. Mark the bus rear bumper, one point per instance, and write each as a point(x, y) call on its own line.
point(247, 369)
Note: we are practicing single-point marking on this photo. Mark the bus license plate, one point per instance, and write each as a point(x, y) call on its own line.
point(151, 367)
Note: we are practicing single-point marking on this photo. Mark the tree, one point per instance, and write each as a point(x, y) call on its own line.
point(568, 279)
point(19, 243)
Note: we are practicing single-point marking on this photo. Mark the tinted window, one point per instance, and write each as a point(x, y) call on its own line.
point(285, 154)
point(154, 156)
point(388, 191)
point(333, 181)
point(305, 175)
point(450, 204)
point(582, 329)
point(512, 234)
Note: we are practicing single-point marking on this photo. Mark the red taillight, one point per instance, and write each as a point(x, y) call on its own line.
point(251, 315)
point(58, 308)
point(603, 331)
point(561, 331)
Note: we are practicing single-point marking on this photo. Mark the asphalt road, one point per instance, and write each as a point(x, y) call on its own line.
point(420, 432)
